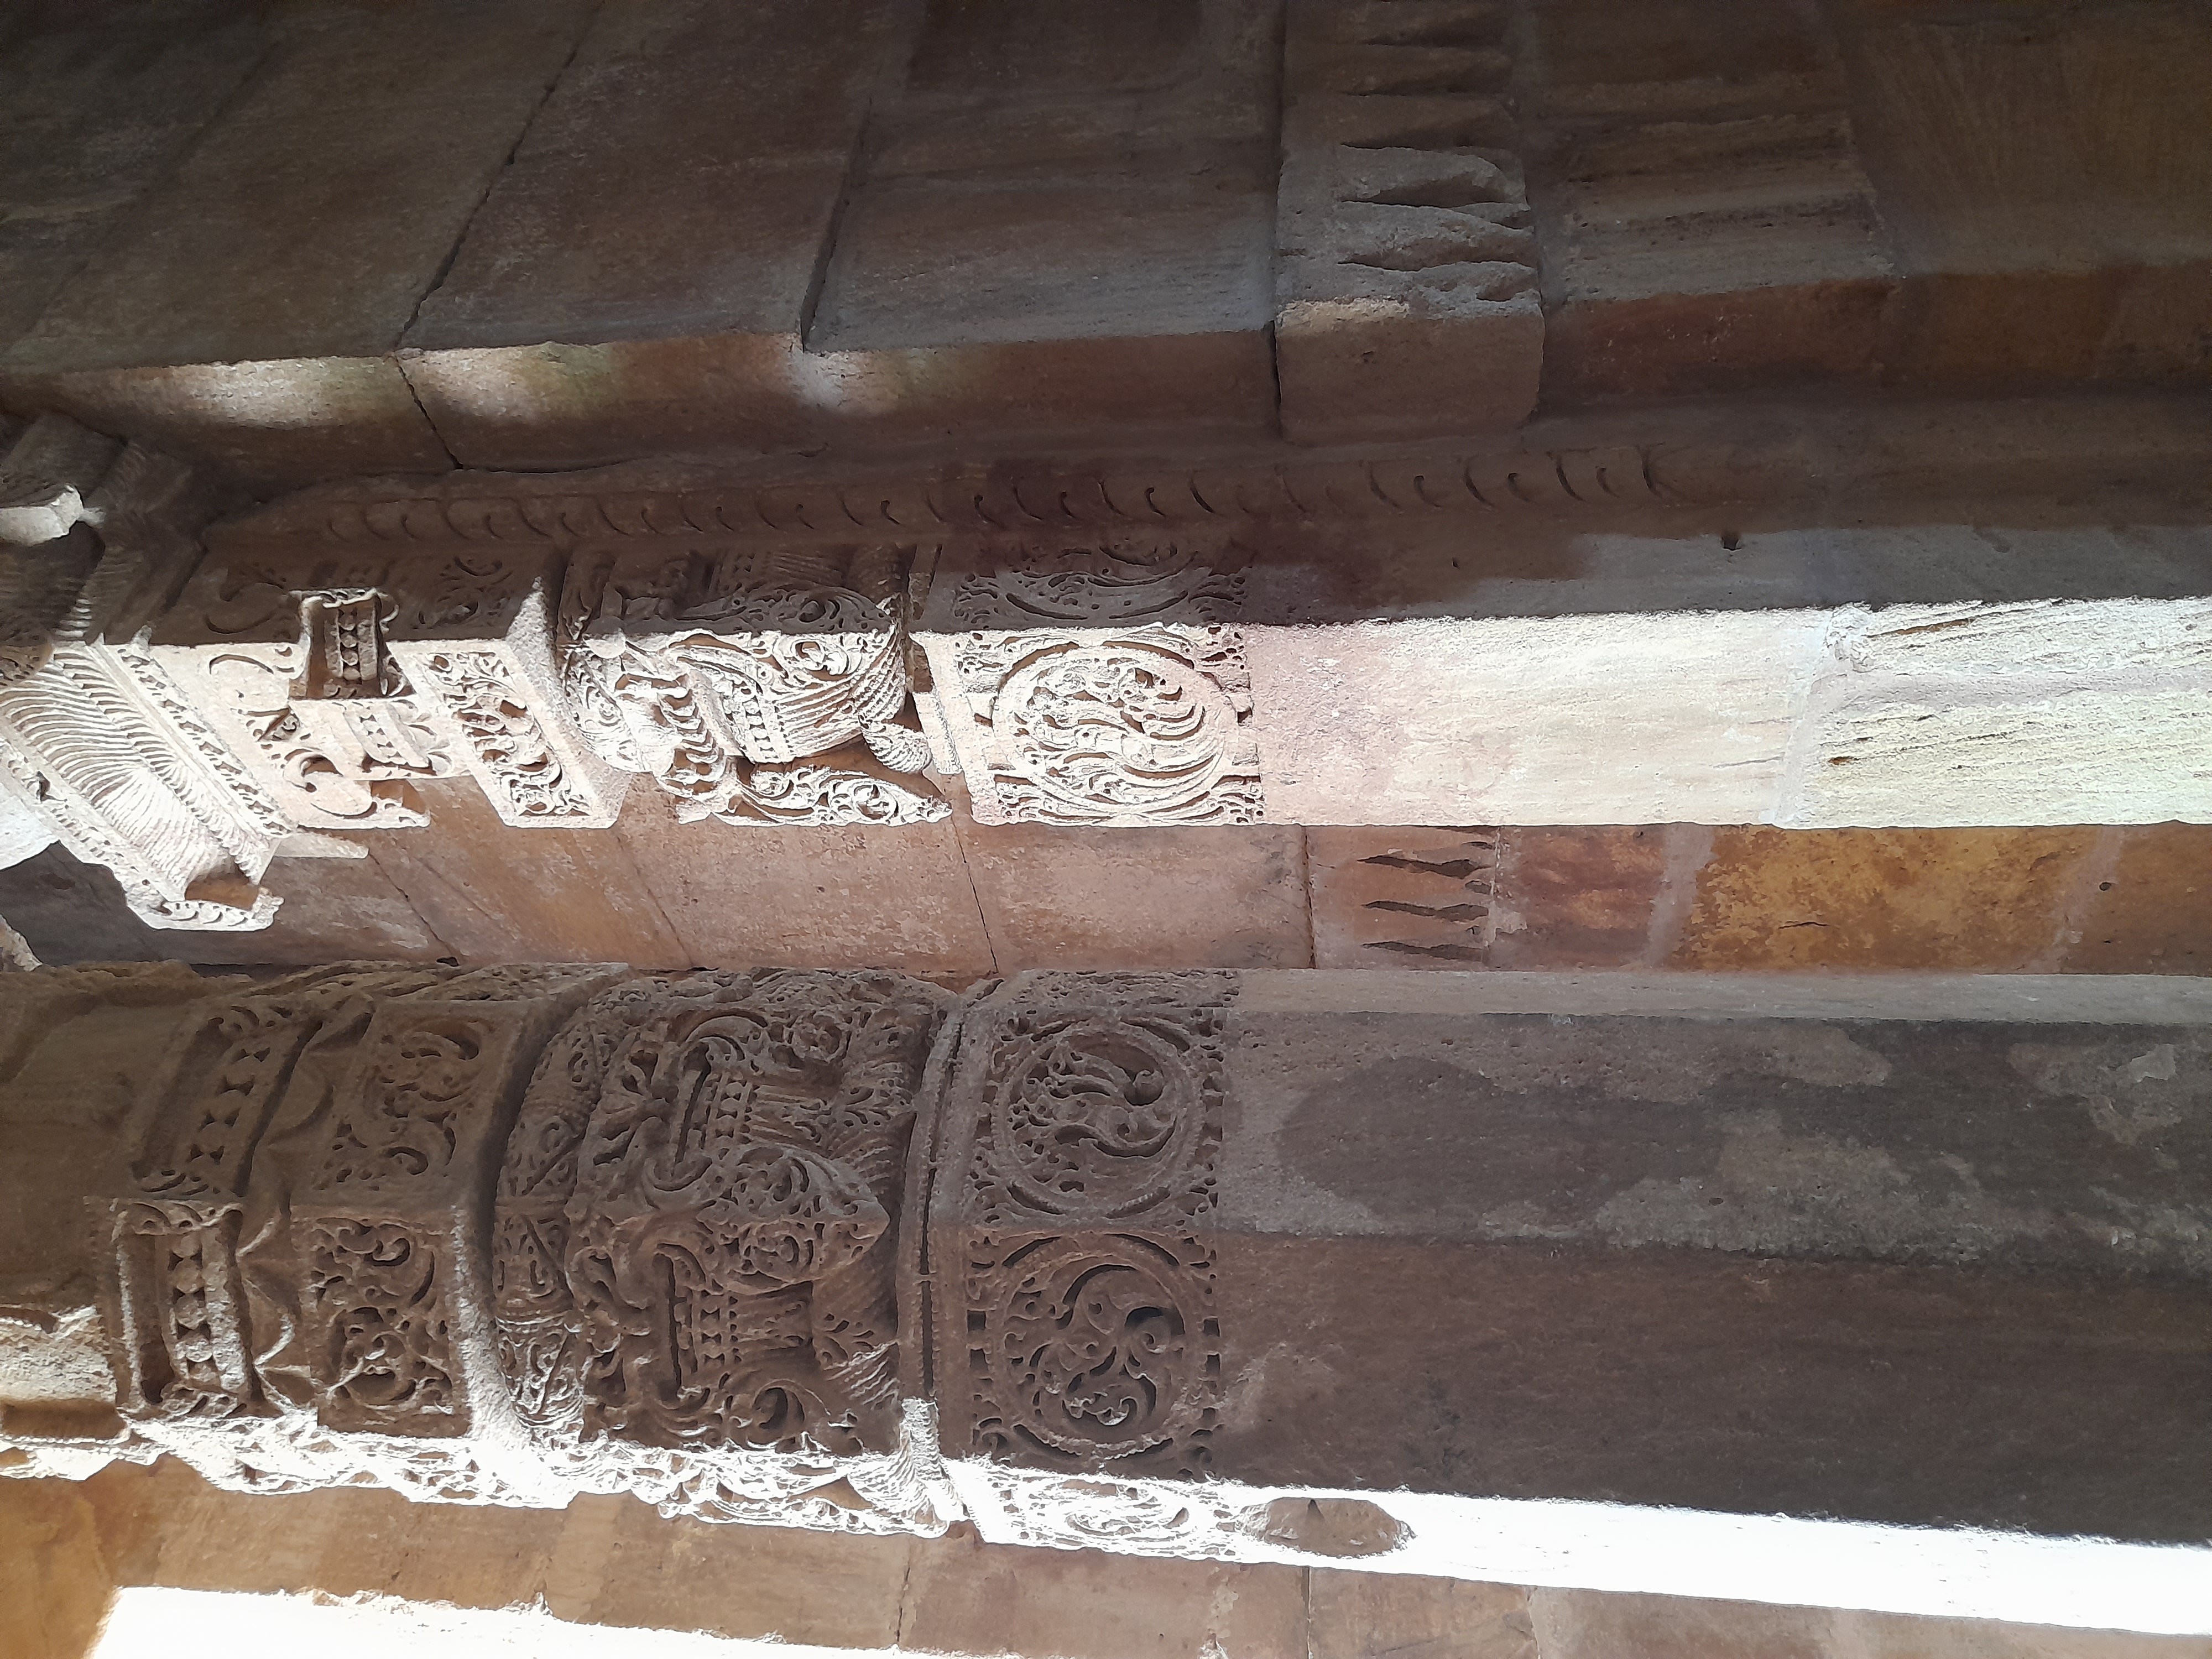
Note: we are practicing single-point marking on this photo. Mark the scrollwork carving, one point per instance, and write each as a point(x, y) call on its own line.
point(379, 1322)
point(1085, 1138)
point(696, 1229)
point(1149, 727)
point(1108, 585)
point(479, 691)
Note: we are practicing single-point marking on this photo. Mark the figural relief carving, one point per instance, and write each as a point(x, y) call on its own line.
point(717, 673)
point(1078, 1156)
point(697, 1237)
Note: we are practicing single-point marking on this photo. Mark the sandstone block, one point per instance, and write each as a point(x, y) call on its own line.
point(808, 899)
point(680, 181)
point(1975, 901)
point(313, 214)
point(2151, 911)
point(1222, 897)
point(1356, 1615)
point(551, 895)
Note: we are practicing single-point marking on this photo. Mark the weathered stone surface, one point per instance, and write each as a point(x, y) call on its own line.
point(980, 1598)
point(1406, 264)
point(1704, 221)
point(549, 895)
point(54, 1585)
point(1229, 897)
point(2152, 907)
point(1359, 1615)
point(1535, 898)
point(1978, 901)
point(312, 215)
point(1879, 1126)
point(1398, 898)
point(809, 898)
point(1595, 897)
point(1577, 1625)
point(273, 425)
point(1102, 233)
point(680, 180)
point(95, 114)
point(2000, 144)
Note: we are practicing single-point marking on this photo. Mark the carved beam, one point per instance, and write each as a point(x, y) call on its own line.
point(1244, 1266)
point(1898, 625)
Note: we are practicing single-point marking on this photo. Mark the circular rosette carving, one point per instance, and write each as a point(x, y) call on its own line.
point(1096, 1354)
point(1095, 1118)
point(1124, 729)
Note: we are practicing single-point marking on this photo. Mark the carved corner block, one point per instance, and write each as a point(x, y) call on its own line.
point(346, 677)
point(293, 1239)
point(697, 1234)
point(733, 674)
point(1100, 684)
point(1078, 1148)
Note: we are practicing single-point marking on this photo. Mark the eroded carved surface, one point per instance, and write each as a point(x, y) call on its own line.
point(1076, 1184)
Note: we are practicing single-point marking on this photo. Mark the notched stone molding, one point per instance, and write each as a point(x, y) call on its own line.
point(1406, 273)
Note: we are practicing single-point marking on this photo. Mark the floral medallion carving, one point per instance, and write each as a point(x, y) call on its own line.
point(1147, 726)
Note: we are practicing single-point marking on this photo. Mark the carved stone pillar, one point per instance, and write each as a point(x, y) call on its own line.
point(1207, 1248)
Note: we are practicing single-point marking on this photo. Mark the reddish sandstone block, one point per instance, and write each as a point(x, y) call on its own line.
point(1577, 896)
point(2152, 913)
point(1976, 900)
point(1232, 896)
